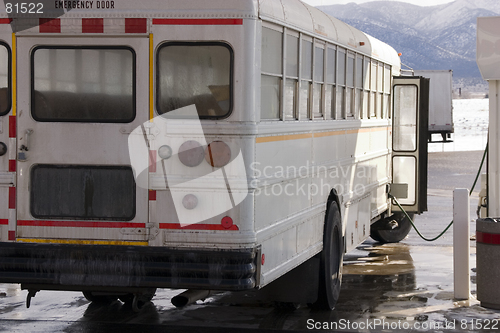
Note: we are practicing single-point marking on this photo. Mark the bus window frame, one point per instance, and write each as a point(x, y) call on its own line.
point(85, 47)
point(417, 128)
point(319, 44)
point(9, 79)
point(228, 46)
point(292, 78)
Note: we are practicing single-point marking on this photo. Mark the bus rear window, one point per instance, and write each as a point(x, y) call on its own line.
point(83, 84)
point(197, 73)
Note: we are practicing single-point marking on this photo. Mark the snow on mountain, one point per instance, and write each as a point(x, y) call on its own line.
point(433, 37)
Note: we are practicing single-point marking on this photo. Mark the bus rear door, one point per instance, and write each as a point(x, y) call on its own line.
point(78, 100)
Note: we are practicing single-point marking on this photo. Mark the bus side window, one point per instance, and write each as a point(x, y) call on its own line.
point(359, 87)
point(292, 76)
point(197, 73)
point(331, 66)
point(341, 64)
point(306, 78)
point(5, 89)
point(380, 89)
point(373, 89)
point(387, 91)
point(366, 88)
point(350, 105)
point(272, 68)
point(319, 68)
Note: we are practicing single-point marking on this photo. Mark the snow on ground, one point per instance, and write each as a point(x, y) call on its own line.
point(470, 117)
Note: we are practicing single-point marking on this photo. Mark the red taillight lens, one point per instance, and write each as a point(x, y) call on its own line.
point(226, 222)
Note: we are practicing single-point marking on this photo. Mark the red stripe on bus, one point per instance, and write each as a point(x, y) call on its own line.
point(12, 126)
point(92, 25)
point(196, 226)
point(50, 25)
point(12, 165)
point(80, 224)
point(198, 21)
point(5, 21)
point(4, 221)
point(487, 238)
point(136, 25)
point(12, 198)
point(12, 235)
point(152, 195)
point(152, 161)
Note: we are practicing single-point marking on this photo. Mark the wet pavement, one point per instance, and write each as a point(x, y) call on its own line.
point(394, 287)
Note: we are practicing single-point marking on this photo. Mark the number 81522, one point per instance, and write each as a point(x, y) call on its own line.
point(24, 8)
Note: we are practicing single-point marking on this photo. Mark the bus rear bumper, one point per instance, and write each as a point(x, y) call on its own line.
point(107, 267)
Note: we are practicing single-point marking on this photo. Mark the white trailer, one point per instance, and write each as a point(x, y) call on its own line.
point(440, 102)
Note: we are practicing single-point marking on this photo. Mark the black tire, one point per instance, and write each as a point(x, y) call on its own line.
point(397, 234)
point(96, 298)
point(331, 260)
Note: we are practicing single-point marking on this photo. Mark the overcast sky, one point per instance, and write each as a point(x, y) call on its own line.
point(337, 2)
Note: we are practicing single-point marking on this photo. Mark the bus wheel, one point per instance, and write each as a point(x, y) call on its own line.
point(330, 272)
point(397, 234)
point(97, 298)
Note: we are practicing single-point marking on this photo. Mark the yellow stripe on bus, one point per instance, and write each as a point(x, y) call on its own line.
point(151, 82)
point(14, 75)
point(80, 242)
point(283, 137)
point(318, 135)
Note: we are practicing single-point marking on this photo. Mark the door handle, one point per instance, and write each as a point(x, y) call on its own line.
point(26, 145)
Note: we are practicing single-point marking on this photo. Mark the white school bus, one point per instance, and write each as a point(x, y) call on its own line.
point(211, 145)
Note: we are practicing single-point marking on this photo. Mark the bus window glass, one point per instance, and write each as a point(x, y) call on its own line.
point(319, 58)
point(197, 73)
point(404, 170)
point(350, 72)
point(317, 112)
point(83, 84)
point(83, 192)
point(340, 109)
point(372, 102)
point(366, 80)
point(349, 107)
point(306, 60)
point(380, 77)
point(359, 72)
point(329, 101)
point(5, 91)
point(292, 56)
point(386, 106)
point(373, 85)
point(405, 118)
point(331, 66)
point(341, 67)
point(272, 54)
point(305, 90)
point(290, 100)
point(270, 95)
point(387, 79)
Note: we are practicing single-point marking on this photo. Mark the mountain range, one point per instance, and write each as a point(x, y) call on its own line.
point(431, 37)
